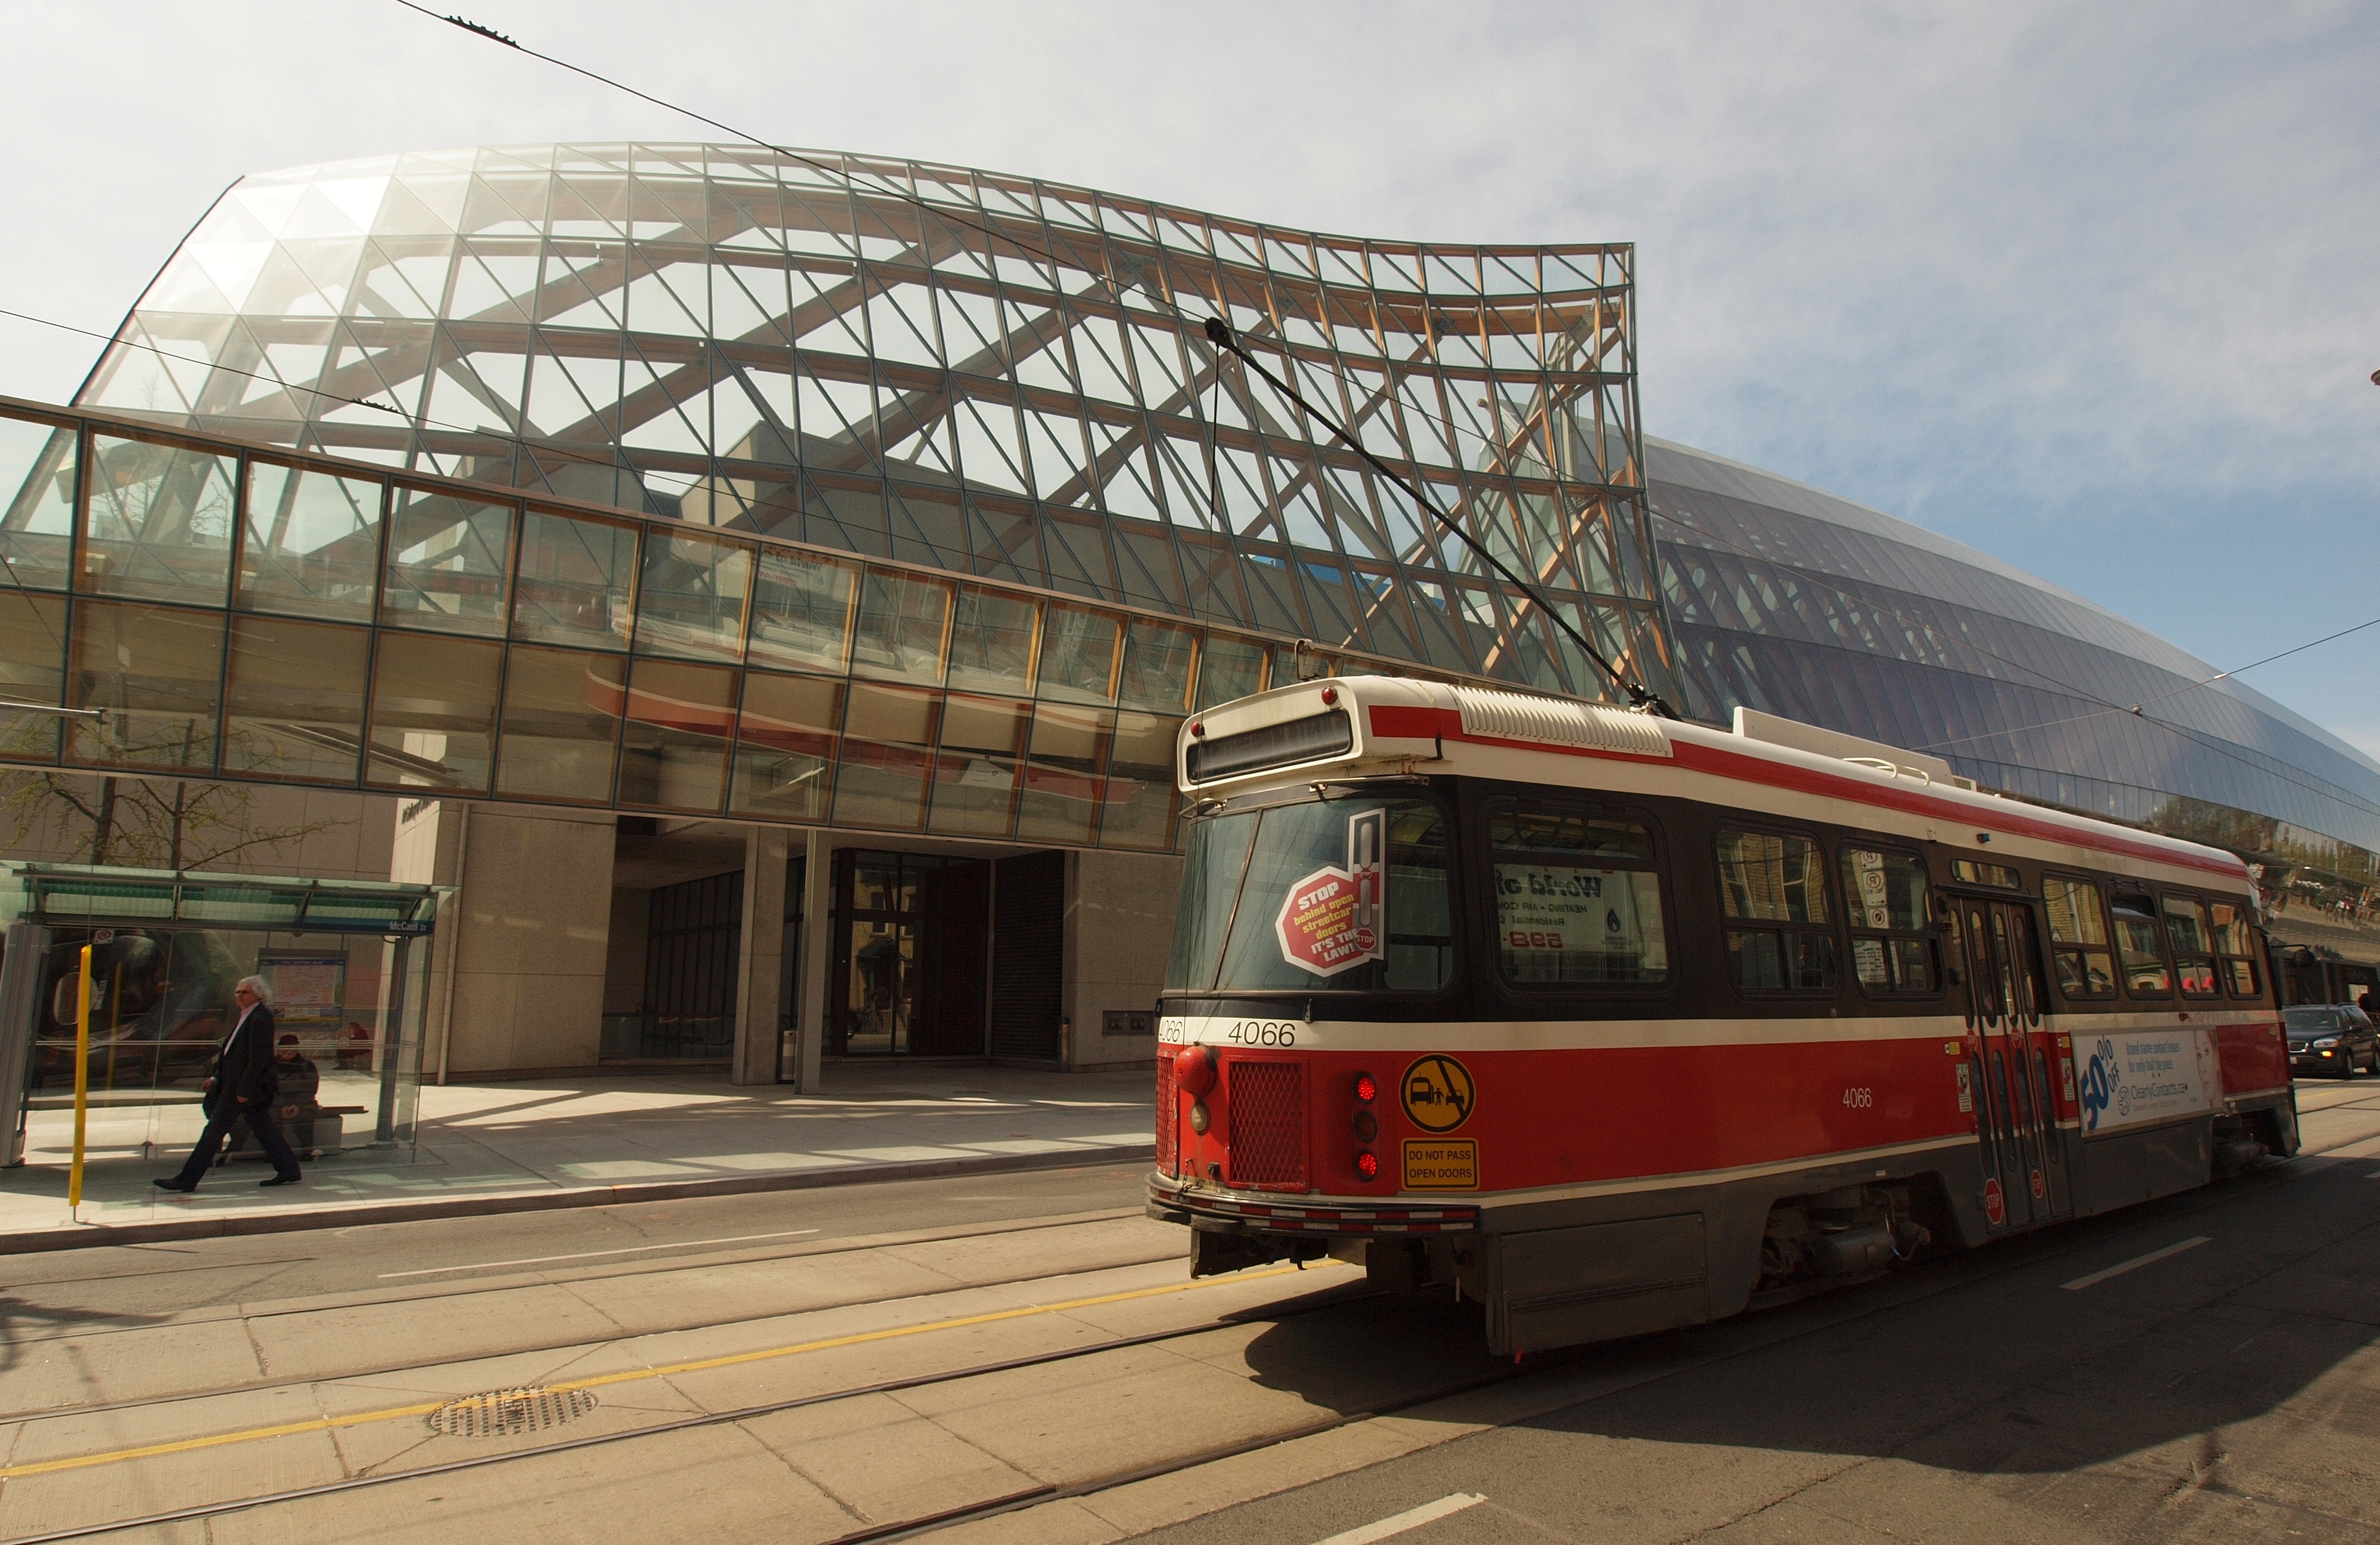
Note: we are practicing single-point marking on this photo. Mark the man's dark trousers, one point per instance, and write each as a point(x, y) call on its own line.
point(261, 1124)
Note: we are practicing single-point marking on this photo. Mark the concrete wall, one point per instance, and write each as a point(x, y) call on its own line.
point(623, 969)
point(1119, 932)
point(517, 971)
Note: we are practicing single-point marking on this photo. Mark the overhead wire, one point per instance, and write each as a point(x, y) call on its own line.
point(1217, 329)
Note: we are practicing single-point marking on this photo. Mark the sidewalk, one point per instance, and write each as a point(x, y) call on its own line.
point(516, 1147)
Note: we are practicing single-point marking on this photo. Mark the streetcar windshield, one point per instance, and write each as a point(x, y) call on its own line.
point(1324, 896)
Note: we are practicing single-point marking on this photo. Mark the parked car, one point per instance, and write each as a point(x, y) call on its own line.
point(2336, 1038)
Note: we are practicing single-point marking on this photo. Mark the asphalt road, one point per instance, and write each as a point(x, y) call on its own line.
point(850, 1363)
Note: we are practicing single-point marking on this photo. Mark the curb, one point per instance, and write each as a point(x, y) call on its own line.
point(101, 1235)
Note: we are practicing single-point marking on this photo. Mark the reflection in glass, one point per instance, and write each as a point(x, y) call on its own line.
point(1061, 773)
point(159, 675)
point(311, 547)
point(692, 606)
point(1140, 804)
point(433, 712)
point(576, 583)
point(974, 776)
point(991, 642)
point(161, 520)
point(37, 490)
point(1229, 668)
point(447, 560)
point(801, 610)
point(560, 724)
point(1079, 655)
point(673, 749)
point(888, 742)
point(785, 744)
point(32, 670)
point(901, 620)
point(296, 707)
point(1157, 666)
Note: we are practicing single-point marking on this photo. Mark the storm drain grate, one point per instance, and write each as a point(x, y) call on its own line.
point(506, 1412)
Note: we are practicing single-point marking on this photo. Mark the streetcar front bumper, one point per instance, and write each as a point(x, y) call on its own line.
point(1206, 1207)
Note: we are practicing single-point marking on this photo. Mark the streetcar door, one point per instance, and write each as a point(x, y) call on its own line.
point(2033, 1047)
point(2013, 1124)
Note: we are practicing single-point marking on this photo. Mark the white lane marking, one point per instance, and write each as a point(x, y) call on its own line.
point(590, 1255)
point(1411, 1518)
point(2134, 1264)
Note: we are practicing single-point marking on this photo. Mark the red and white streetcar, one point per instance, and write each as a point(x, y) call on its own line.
point(1616, 1023)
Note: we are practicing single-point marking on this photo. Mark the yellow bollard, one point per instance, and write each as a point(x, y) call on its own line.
point(82, 1082)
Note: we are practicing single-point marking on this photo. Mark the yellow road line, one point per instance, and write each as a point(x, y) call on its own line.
point(422, 1408)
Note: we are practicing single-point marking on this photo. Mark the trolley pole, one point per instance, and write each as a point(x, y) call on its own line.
point(82, 1084)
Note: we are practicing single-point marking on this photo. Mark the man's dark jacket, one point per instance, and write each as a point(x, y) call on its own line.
point(244, 1067)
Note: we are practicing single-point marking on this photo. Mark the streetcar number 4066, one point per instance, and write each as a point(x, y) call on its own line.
point(1859, 1100)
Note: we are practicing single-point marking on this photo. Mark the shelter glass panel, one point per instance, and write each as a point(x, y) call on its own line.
point(560, 724)
point(37, 479)
point(695, 592)
point(448, 559)
point(673, 749)
point(158, 673)
point(975, 775)
point(801, 611)
point(785, 738)
point(904, 619)
point(160, 521)
point(32, 670)
point(296, 699)
point(577, 581)
point(888, 744)
point(433, 712)
point(311, 543)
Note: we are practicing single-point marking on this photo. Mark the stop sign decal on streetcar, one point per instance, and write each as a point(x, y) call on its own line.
point(1332, 919)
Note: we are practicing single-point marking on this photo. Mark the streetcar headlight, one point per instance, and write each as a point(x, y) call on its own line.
point(1199, 1119)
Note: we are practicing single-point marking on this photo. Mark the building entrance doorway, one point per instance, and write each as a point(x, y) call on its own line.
point(909, 933)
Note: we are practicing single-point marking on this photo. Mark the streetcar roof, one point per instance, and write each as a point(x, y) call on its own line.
point(1355, 726)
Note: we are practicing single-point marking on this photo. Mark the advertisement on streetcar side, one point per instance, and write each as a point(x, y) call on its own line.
point(2138, 1077)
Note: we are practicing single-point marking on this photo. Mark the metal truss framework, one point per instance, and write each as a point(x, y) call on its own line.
point(984, 374)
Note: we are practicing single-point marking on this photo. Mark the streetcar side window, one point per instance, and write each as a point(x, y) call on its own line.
point(1578, 897)
point(1779, 881)
point(2078, 939)
point(1885, 894)
point(1308, 918)
point(2237, 944)
point(2140, 942)
point(2194, 946)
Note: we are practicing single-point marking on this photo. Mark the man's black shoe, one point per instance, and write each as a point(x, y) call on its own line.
point(173, 1186)
point(282, 1180)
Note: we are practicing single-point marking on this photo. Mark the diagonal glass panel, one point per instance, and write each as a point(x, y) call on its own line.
point(786, 732)
point(37, 501)
point(1078, 655)
point(311, 544)
point(433, 712)
point(578, 580)
point(1137, 801)
point(903, 626)
point(888, 744)
point(673, 746)
point(160, 521)
point(977, 772)
point(561, 728)
point(1063, 773)
point(1229, 668)
point(801, 611)
point(295, 700)
point(991, 642)
point(692, 601)
point(448, 563)
point(158, 673)
point(1157, 663)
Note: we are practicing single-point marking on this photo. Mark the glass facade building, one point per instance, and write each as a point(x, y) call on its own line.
point(932, 509)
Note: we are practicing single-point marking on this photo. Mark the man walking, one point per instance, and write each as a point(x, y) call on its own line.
point(242, 1087)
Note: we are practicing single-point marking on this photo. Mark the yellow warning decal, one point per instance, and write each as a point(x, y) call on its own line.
point(1442, 1164)
point(1437, 1093)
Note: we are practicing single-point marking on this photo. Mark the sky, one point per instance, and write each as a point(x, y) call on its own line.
point(2092, 289)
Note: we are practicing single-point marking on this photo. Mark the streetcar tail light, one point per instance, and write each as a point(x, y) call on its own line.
point(1367, 1166)
point(1367, 1127)
point(1194, 1071)
point(1368, 1088)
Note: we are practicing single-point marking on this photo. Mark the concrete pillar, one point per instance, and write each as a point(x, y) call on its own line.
point(818, 900)
point(760, 958)
point(516, 966)
point(1119, 932)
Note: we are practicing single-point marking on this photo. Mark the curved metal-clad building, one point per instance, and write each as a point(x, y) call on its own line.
point(1003, 377)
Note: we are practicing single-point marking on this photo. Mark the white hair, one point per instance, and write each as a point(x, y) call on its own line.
point(261, 988)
